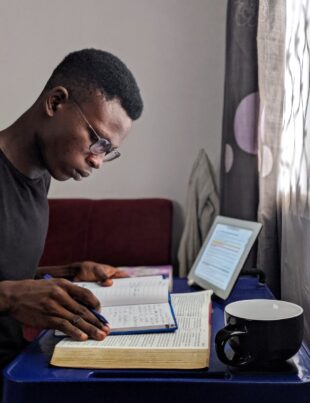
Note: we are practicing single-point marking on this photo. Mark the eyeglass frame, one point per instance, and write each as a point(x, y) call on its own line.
point(110, 154)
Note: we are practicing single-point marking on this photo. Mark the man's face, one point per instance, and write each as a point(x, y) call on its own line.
point(65, 150)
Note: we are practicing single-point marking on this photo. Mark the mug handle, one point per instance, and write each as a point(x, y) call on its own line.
point(221, 339)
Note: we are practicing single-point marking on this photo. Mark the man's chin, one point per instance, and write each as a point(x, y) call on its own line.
point(60, 177)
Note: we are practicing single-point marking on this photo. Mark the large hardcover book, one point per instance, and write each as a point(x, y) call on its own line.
point(186, 348)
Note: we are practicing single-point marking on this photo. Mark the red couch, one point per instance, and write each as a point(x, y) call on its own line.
point(130, 232)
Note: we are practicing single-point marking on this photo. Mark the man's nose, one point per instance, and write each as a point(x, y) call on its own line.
point(95, 160)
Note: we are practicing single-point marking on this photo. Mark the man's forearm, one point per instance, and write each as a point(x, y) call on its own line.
point(6, 294)
point(63, 271)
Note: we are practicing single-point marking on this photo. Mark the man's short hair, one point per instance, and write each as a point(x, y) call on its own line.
point(88, 70)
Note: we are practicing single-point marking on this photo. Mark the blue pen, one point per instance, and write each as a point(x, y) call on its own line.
point(92, 310)
point(98, 315)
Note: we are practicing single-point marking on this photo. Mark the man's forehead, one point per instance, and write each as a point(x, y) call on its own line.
point(110, 108)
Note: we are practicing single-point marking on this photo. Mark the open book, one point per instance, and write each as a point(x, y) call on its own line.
point(134, 305)
point(186, 348)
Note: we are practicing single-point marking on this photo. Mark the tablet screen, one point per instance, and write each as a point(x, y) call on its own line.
point(223, 254)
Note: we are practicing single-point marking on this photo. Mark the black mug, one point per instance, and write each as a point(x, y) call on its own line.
point(260, 332)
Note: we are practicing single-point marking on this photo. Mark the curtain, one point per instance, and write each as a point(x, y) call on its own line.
point(294, 181)
point(284, 149)
point(270, 43)
point(239, 173)
point(265, 168)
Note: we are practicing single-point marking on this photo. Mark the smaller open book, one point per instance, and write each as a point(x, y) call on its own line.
point(136, 305)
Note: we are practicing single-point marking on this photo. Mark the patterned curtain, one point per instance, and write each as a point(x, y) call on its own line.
point(239, 165)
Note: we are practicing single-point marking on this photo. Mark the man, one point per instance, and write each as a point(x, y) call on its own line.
point(78, 122)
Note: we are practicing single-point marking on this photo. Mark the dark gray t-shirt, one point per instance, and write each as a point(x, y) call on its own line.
point(23, 228)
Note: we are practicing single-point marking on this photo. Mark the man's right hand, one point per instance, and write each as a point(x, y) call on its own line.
point(53, 304)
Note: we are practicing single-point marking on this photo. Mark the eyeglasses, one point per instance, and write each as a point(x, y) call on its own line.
point(99, 144)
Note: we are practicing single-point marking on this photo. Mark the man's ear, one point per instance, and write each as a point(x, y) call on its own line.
point(55, 99)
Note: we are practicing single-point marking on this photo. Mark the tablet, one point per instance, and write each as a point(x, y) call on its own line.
point(223, 254)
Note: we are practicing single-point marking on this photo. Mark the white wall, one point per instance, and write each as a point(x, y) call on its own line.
point(175, 49)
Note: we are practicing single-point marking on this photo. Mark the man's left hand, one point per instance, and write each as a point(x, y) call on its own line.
point(92, 271)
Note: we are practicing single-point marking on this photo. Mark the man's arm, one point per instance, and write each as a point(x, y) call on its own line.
point(83, 271)
point(61, 271)
point(53, 304)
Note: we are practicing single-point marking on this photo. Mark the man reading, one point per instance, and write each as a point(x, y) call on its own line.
point(77, 124)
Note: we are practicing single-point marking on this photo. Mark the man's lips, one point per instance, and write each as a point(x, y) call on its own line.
point(84, 173)
point(78, 175)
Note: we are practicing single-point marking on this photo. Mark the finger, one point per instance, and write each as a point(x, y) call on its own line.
point(80, 311)
point(68, 329)
point(87, 328)
point(78, 329)
point(120, 274)
point(104, 272)
point(80, 318)
point(81, 294)
point(116, 274)
point(69, 296)
point(90, 330)
point(62, 305)
point(106, 283)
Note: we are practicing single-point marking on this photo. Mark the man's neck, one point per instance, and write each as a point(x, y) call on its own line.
point(18, 143)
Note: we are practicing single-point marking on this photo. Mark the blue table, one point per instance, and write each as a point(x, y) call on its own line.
point(30, 378)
